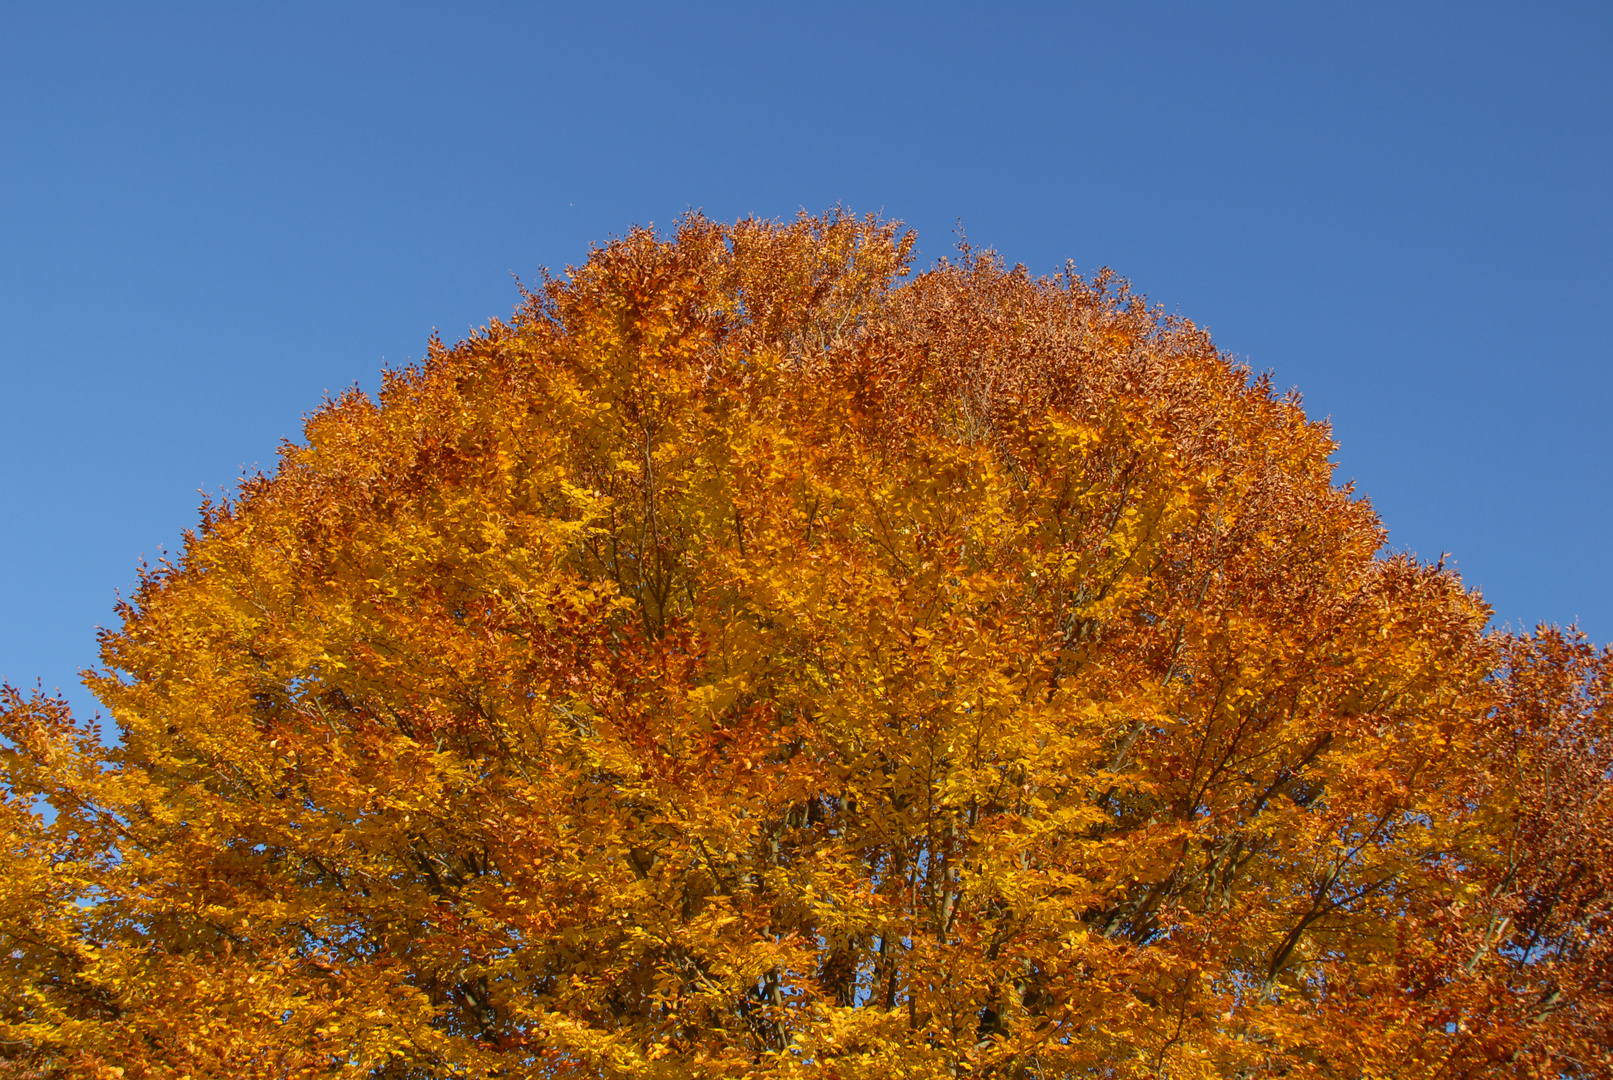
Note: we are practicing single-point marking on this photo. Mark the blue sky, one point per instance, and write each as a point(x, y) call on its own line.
point(211, 215)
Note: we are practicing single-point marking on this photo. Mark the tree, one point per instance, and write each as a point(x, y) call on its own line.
point(756, 659)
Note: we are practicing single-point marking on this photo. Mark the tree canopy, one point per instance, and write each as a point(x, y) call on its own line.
point(757, 658)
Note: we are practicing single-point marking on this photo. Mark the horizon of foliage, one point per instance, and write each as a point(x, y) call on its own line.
point(756, 658)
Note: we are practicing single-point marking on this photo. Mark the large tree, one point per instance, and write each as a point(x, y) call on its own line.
point(756, 659)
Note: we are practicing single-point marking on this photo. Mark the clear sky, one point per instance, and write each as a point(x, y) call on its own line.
point(211, 215)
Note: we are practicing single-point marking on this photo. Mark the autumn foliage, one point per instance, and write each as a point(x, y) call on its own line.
point(755, 659)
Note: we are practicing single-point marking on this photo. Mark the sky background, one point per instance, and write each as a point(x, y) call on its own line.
point(213, 215)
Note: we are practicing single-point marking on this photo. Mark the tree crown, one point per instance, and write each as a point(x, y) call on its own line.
point(755, 657)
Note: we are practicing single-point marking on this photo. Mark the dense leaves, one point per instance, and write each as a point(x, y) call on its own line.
point(756, 659)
